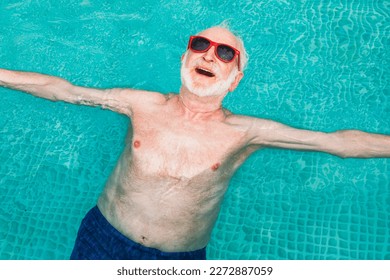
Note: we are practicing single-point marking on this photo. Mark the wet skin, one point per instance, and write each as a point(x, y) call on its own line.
point(181, 149)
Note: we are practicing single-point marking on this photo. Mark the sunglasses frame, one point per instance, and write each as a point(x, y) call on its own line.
point(215, 45)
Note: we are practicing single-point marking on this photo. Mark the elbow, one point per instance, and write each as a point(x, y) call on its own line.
point(344, 144)
point(343, 153)
point(61, 90)
point(349, 154)
point(355, 144)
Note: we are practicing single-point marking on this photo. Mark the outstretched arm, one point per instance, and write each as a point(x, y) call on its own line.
point(57, 89)
point(343, 143)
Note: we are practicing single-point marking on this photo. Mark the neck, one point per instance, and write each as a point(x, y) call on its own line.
point(198, 104)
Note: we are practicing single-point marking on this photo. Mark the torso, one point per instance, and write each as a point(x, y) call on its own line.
point(167, 187)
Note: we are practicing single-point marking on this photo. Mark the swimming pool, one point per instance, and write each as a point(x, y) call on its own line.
point(312, 65)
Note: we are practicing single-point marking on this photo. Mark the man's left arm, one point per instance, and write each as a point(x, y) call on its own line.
point(343, 143)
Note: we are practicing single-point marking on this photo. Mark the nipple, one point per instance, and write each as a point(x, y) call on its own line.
point(137, 144)
point(215, 166)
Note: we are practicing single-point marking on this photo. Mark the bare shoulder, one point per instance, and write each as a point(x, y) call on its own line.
point(141, 95)
point(241, 123)
point(259, 131)
point(137, 100)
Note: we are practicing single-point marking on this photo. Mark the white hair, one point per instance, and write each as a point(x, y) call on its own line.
point(243, 54)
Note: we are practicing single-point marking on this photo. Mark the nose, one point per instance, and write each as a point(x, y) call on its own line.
point(209, 56)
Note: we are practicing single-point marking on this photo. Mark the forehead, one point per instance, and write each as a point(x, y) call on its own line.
point(220, 35)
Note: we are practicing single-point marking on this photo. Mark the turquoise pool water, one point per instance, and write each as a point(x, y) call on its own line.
point(320, 65)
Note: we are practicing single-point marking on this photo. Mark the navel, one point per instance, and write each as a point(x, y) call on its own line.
point(137, 144)
point(143, 239)
point(215, 166)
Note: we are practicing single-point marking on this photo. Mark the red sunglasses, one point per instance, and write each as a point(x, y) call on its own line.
point(224, 52)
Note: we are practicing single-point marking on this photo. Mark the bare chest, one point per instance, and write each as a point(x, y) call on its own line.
point(169, 146)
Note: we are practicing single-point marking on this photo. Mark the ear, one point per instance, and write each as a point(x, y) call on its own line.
point(236, 81)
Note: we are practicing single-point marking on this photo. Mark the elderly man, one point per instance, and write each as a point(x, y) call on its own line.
point(164, 195)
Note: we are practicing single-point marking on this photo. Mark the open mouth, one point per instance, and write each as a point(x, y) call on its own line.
point(204, 72)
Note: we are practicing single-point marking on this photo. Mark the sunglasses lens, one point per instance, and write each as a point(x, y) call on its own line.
point(200, 44)
point(225, 52)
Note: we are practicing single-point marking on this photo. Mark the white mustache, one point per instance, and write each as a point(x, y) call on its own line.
point(210, 65)
point(219, 87)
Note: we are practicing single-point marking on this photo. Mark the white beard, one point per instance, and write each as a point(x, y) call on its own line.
point(220, 87)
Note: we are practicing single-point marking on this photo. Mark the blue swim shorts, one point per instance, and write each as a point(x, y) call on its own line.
point(97, 239)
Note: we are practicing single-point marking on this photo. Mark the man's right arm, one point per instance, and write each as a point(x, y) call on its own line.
point(57, 89)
